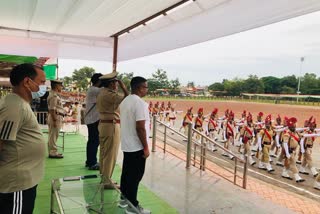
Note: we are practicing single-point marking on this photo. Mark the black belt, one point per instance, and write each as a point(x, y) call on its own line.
point(211, 130)
point(309, 146)
point(267, 143)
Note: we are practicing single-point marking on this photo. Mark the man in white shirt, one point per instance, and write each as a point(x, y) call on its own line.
point(135, 121)
point(91, 119)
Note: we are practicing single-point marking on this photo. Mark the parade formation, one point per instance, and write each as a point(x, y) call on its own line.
point(265, 141)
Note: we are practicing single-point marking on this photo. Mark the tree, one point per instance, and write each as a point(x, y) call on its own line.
point(309, 84)
point(290, 81)
point(174, 86)
point(162, 78)
point(190, 85)
point(126, 78)
point(81, 77)
point(233, 87)
point(287, 90)
point(67, 81)
point(153, 85)
point(253, 85)
point(272, 85)
point(216, 87)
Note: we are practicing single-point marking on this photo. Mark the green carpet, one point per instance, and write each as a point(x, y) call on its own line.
point(73, 165)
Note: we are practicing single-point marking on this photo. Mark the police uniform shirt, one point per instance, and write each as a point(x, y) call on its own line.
point(108, 102)
point(54, 103)
point(23, 146)
point(264, 136)
point(294, 141)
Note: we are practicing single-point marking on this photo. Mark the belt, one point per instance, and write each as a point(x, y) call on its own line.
point(309, 146)
point(172, 118)
point(58, 113)
point(110, 121)
point(211, 130)
point(267, 143)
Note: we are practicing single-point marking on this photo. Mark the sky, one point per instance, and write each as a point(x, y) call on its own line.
point(273, 50)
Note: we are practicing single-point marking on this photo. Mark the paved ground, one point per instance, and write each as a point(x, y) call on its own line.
point(296, 197)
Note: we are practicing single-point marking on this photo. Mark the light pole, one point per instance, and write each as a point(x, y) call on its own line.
point(298, 91)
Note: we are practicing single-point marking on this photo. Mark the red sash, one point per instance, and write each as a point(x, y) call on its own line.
point(230, 128)
point(199, 121)
point(189, 117)
point(213, 123)
point(294, 137)
point(312, 138)
point(268, 135)
point(248, 130)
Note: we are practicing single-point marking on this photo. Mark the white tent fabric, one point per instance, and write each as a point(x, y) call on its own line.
point(81, 29)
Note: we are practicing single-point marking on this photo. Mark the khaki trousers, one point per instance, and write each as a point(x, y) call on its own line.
point(109, 139)
point(318, 178)
point(291, 163)
point(247, 149)
point(307, 159)
point(53, 136)
point(265, 153)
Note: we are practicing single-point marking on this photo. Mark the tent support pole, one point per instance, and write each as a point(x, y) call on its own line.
point(115, 53)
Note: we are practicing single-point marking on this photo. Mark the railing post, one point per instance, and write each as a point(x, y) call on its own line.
point(188, 163)
point(245, 170)
point(235, 171)
point(201, 153)
point(154, 133)
point(204, 156)
point(165, 139)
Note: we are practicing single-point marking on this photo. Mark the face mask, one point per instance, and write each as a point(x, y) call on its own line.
point(40, 93)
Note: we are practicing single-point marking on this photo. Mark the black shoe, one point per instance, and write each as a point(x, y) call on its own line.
point(94, 167)
point(305, 173)
point(271, 170)
point(289, 178)
point(300, 180)
point(57, 156)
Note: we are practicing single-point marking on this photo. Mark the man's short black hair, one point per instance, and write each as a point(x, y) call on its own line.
point(136, 82)
point(19, 72)
point(95, 78)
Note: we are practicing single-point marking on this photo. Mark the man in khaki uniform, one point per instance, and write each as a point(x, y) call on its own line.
point(55, 116)
point(265, 138)
point(22, 146)
point(108, 102)
point(246, 136)
point(291, 141)
point(306, 145)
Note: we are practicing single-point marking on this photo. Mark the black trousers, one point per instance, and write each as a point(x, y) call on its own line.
point(132, 172)
point(92, 144)
point(18, 202)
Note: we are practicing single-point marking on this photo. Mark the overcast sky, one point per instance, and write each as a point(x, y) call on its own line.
point(271, 50)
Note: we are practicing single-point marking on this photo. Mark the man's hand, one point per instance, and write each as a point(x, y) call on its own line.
point(146, 152)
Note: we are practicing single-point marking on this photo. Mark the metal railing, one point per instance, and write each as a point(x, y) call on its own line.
point(202, 144)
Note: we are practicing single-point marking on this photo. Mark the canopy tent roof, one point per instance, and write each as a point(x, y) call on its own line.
point(81, 29)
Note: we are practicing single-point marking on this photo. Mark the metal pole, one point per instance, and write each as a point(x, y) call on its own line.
point(189, 146)
point(204, 157)
point(245, 170)
point(115, 54)
point(154, 133)
point(235, 171)
point(299, 80)
point(201, 153)
point(165, 139)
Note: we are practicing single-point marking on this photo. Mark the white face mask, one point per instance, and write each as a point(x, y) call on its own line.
point(40, 93)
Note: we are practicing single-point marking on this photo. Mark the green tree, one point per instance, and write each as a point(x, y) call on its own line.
point(190, 85)
point(233, 87)
point(153, 85)
point(272, 85)
point(81, 77)
point(216, 86)
point(309, 84)
point(67, 81)
point(253, 85)
point(290, 81)
point(287, 90)
point(174, 86)
point(162, 78)
point(126, 78)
